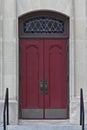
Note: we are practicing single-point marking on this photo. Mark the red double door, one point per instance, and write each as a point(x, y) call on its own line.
point(43, 83)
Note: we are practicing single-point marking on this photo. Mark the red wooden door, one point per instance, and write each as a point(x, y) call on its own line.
point(31, 55)
point(43, 78)
point(55, 59)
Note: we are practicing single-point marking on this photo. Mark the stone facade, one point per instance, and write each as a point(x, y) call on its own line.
point(10, 10)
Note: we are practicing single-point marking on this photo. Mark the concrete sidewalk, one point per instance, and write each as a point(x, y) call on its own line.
point(43, 127)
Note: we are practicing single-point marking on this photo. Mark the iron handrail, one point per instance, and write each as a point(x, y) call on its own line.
point(6, 110)
point(81, 109)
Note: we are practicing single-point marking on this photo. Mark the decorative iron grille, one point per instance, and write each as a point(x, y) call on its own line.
point(43, 25)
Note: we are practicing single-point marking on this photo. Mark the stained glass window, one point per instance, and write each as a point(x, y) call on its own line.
point(43, 25)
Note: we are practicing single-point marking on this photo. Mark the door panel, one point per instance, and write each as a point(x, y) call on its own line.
point(55, 113)
point(32, 73)
point(56, 73)
point(32, 113)
point(43, 79)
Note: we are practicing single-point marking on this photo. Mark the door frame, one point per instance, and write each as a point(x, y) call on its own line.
point(65, 35)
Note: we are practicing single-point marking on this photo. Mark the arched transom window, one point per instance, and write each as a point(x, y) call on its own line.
point(43, 25)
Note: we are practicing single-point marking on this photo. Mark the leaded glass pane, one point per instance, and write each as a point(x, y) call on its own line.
point(43, 25)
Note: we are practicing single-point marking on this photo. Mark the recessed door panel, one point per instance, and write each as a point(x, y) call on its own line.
point(31, 75)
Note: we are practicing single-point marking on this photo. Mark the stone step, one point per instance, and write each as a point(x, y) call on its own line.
point(43, 127)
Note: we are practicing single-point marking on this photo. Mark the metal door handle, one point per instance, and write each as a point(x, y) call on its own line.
point(41, 87)
point(46, 86)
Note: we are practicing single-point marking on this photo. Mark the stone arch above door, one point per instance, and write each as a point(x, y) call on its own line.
point(58, 23)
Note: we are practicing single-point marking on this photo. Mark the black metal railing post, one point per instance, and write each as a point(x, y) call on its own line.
point(81, 109)
point(6, 110)
point(7, 107)
point(4, 122)
point(81, 106)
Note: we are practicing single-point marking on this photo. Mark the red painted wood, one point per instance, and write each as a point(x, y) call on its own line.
point(55, 58)
point(31, 73)
point(43, 60)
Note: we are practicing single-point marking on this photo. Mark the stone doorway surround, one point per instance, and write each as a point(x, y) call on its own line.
point(9, 50)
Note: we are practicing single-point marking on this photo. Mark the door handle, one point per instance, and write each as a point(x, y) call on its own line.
point(41, 87)
point(46, 86)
